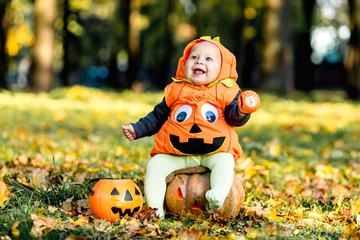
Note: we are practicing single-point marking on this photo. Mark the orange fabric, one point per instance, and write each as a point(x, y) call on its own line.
point(195, 134)
point(208, 138)
point(228, 66)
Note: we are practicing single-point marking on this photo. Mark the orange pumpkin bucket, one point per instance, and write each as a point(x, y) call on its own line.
point(112, 199)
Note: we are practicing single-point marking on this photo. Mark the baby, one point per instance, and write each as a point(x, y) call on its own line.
point(195, 123)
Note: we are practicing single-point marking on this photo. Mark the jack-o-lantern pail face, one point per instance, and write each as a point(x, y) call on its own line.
point(112, 199)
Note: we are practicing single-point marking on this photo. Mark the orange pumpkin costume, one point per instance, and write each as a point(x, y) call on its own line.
point(197, 134)
point(195, 127)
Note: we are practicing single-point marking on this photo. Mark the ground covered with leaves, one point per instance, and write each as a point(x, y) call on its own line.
point(301, 168)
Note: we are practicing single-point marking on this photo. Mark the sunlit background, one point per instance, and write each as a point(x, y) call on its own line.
point(109, 43)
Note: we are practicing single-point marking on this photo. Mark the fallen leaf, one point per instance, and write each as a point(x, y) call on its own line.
point(256, 211)
point(149, 213)
point(81, 221)
point(75, 238)
point(274, 217)
point(192, 234)
point(42, 225)
point(14, 230)
point(52, 209)
point(4, 193)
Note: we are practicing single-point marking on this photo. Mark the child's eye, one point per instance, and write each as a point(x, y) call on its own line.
point(208, 59)
point(193, 57)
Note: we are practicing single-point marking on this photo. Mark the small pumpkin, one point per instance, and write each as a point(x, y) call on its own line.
point(112, 199)
point(187, 191)
point(249, 101)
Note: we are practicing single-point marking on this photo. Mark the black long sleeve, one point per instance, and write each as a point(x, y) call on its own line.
point(234, 116)
point(151, 123)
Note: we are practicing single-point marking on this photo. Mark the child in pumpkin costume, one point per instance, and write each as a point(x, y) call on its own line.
point(195, 123)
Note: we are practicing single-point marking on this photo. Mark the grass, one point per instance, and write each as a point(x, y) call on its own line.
point(300, 167)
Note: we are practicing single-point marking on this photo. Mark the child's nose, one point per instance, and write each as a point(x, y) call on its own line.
point(199, 61)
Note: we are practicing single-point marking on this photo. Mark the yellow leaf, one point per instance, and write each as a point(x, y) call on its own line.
point(355, 207)
point(59, 115)
point(130, 167)
point(82, 220)
point(61, 132)
point(298, 212)
point(134, 222)
point(314, 215)
point(256, 211)
point(52, 209)
point(350, 228)
point(120, 150)
point(4, 193)
point(108, 165)
point(75, 238)
point(274, 148)
point(4, 171)
point(38, 178)
point(14, 229)
point(123, 221)
point(192, 233)
point(274, 217)
point(42, 225)
point(252, 233)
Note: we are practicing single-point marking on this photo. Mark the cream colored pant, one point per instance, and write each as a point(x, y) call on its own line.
point(161, 165)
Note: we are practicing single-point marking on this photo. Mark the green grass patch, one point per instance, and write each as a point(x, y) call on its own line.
point(300, 167)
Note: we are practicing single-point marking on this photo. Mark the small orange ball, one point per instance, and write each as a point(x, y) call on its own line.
point(249, 101)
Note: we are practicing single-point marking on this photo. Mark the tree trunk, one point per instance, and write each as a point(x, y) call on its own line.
point(276, 65)
point(43, 51)
point(66, 42)
point(352, 59)
point(304, 68)
point(2, 45)
point(240, 43)
point(164, 78)
point(133, 40)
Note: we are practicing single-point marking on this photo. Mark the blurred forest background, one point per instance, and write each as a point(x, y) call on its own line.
point(280, 45)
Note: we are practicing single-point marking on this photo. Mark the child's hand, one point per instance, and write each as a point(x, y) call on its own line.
point(129, 132)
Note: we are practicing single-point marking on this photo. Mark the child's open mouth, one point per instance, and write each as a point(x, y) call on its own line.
point(198, 71)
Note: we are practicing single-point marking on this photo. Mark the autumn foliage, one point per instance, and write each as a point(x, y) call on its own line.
point(300, 168)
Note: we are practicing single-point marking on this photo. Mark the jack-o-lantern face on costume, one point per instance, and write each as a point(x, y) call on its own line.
point(199, 121)
point(112, 199)
point(197, 124)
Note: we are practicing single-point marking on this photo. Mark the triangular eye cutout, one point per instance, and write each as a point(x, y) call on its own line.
point(137, 191)
point(128, 196)
point(114, 192)
point(178, 194)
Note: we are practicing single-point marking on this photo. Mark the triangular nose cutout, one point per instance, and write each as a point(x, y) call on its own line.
point(195, 129)
point(128, 196)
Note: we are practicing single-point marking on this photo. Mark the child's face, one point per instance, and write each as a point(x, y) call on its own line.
point(203, 65)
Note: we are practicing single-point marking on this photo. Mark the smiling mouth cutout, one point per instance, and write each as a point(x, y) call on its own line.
point(196, 145)
point(116, 210)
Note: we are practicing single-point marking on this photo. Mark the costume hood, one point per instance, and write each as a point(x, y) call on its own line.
point(228, 63)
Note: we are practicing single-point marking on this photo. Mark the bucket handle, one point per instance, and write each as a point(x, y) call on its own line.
point(94, 180)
